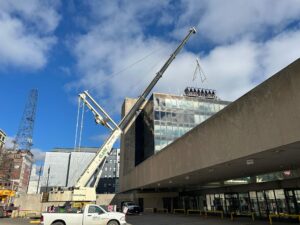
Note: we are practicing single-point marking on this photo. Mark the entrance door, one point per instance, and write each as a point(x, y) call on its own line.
point(232, 202)
point(297, 197)
point(281, 201)
point(167, 204)
point(141, 204)
point(292, 202)
point(263, 206)
point(244, 202)
point(254, 204)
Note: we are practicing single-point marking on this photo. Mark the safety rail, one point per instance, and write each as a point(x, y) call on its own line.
point(194, 212)
point(179, 210)
point(214, 212)
point(162, 210)
point(251, 214)
point(283, 215)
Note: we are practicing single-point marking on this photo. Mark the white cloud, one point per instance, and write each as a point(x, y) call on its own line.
point(26, 32)
point(281, 51)
point(233, 67)
point(39, 155)
point(100, 137)
point(223, 21)
point(9, 142)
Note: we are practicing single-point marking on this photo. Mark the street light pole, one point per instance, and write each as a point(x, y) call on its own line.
point(48, 179)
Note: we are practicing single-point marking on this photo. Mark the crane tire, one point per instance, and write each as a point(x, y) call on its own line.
point(113, 222)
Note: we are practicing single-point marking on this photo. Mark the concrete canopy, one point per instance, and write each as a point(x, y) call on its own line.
point(262, 126)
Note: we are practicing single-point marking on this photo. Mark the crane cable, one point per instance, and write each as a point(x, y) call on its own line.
point(134, 63)
point(77, 121)
point(200, 71)
point(81, 126)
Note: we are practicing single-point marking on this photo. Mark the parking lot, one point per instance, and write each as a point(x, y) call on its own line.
point(170, 219)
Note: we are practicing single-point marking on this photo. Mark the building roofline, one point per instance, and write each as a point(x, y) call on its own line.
point(2, 131)
point(189, 97)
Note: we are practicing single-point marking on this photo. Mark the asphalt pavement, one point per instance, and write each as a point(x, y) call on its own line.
point(169, 219)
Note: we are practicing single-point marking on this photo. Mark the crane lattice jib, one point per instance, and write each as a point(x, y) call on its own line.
point(23, 140)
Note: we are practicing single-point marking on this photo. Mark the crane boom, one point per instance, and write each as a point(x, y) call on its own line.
point(124, 122)
point(82, 191)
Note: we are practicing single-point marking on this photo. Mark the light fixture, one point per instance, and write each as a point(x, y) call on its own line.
point(187, 177)
point(170, 182)
point(249, 162)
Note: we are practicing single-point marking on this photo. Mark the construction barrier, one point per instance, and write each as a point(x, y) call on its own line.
point(251, 214)
point(283, 215)
point(182, 211)
point(25, 213)
point(193, 212)
point(214, 212)
point(163, 210)
point(35, 221)
point(149, 210)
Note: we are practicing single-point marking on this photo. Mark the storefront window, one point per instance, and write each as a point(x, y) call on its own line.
point(297, 195)
point(263, 207)
point(271, 201)
point(281, 202)
point(290, 197)
point(208, 206)
point(244, 203)
point(254, 204)
point(212, 200)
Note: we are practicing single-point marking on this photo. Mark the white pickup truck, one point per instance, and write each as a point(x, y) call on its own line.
point(91, 215)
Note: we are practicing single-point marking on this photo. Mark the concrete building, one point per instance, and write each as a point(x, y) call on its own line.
point(63, 167)
point(245, 158)
point(15, 169)
point(35, 180)
point(164, 119)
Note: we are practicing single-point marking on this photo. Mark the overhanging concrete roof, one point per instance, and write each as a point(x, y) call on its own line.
point(263, 125)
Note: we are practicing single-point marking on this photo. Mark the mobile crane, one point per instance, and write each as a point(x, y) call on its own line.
point(84, 190)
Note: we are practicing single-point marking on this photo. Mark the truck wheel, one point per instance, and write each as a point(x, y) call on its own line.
point(113, 222)
point(58, 223)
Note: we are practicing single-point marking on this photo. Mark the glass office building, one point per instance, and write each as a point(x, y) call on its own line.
point(167, 117)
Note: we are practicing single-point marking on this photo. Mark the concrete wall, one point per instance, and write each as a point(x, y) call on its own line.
point(127, 158)
point(264, 119)
point(33, 202)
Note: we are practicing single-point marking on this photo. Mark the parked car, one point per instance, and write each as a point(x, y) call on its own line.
point(129, 207)
point(90, 215)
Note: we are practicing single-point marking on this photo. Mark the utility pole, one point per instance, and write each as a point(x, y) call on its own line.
point(38, 184)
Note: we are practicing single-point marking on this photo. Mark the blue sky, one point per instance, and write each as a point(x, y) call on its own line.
point(64, 47)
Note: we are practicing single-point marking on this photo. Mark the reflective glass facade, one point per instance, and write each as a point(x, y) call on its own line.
point(176, 115)
point(167, 117)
